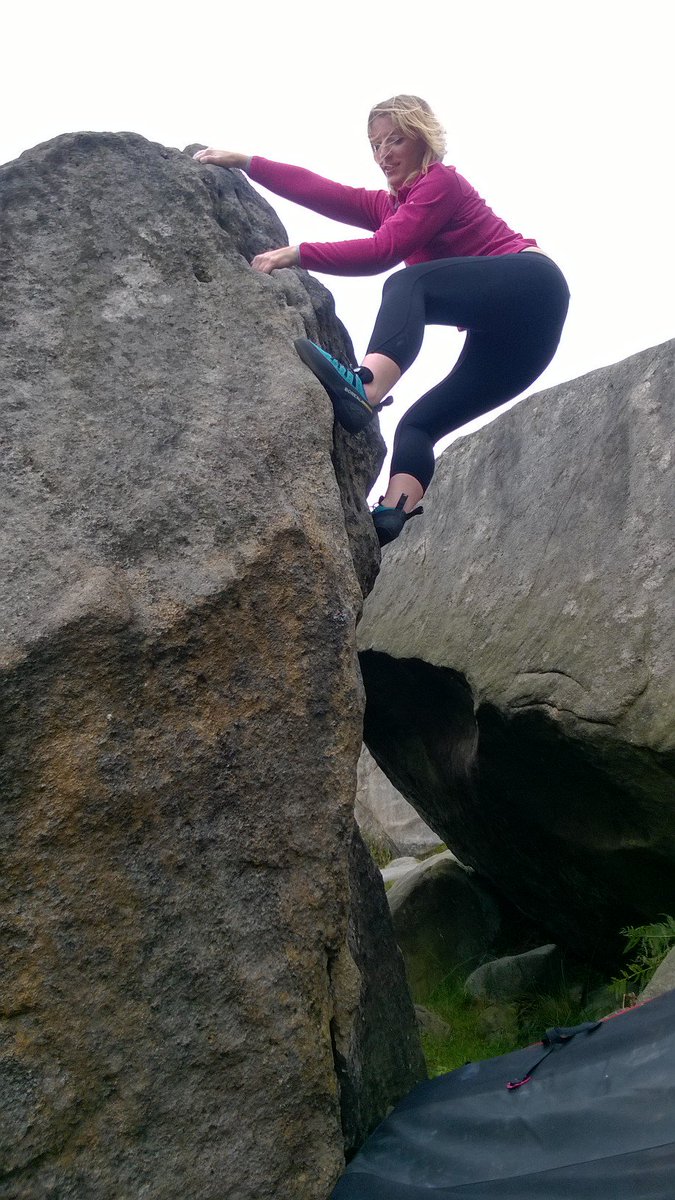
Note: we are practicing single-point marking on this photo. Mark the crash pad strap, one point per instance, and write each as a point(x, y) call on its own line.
point(554, 1039)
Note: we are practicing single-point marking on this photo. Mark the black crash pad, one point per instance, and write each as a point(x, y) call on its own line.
point(595, 1121)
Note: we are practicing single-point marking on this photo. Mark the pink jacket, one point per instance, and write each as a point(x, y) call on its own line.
point(438, 216)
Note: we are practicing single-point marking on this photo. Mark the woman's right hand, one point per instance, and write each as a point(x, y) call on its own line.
point(222, 158)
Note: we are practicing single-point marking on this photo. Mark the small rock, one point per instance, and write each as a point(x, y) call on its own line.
point(430, 1023)
point(517, 975)
point(499, 1020)
point(663, 980)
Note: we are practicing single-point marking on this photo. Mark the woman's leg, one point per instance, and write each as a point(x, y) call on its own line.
point(515, 311)
point(386, 374)
point(403, 308)
point(489, 371)
point(429, 293)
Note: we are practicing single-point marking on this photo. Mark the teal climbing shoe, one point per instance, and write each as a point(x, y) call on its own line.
point(389, 522)
point(344, 386)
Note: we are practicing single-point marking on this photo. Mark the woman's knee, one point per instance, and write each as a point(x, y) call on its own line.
point(396, 285)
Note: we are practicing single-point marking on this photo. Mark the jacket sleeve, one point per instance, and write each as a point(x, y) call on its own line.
point(353, 206)
point(430, 206)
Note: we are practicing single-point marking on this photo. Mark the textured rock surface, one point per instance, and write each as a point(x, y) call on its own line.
point(397, 868)
point(537, 972)
point(663, 979)
point(431, 1024)
point(384, 816)
point(181, 705)
point(529, 616)
point(376, 1048)
point(444, 920)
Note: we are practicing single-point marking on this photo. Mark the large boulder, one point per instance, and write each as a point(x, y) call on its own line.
point(384, 816)
point(188, 995)
point(377, 1051)
point(445, 922)
point(527, 619)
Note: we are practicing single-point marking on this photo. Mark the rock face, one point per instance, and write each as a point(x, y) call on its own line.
point(663, 979)
point(537, 972)
point(384, 816)
point(445, 922)
point(184, 995)
point(529, 614)
point(380, 1050)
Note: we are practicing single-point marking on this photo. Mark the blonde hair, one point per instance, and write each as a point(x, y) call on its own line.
point(415, 119)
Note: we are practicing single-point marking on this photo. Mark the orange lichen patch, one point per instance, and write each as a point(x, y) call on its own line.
point(19, 986)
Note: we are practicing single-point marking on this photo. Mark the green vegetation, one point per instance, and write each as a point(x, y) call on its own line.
point(381, 855)
point(652, 942)
point(439, 849)
point(481, 1029)
point(470, 1037)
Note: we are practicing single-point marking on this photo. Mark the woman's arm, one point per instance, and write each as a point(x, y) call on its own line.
point(431, 204)
point(352, 206)
point(271, 260)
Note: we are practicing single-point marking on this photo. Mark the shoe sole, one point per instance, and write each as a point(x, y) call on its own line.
point(350, 410)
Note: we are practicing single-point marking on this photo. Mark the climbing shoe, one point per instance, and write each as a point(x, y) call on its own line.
point(389, 522)
point(344, 386)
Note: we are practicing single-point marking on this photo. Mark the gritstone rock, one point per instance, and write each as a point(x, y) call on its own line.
point(529, 616)
point(431, 1024)
point(535, 973)
point(445, 922)
point(384, 816)
point(184, 994)
point(397, 868)
point(663, 979)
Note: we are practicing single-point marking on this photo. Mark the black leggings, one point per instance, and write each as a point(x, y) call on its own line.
point(513, 307)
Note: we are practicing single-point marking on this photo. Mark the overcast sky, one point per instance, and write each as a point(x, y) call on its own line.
point(561, 115)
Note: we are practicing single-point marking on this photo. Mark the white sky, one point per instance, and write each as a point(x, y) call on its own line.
point(561, 115)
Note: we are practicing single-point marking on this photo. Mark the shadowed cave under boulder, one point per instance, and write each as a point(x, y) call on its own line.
point(557, 833)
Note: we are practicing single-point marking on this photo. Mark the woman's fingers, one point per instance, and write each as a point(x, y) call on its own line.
point(264, 263)
point(222, 158)
point(272, 260)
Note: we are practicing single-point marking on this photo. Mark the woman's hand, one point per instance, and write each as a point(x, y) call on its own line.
point(222, 158)
point(272, 260)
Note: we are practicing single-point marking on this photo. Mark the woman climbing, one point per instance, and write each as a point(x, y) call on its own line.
point(463, 266)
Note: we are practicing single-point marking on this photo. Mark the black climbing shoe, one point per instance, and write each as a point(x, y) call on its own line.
point(344, 386)
point(389, 522)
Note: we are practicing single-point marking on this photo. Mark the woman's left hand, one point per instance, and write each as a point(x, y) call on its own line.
point(272, 260)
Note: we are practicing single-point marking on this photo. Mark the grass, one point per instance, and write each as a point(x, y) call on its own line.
point(381, 855)
point(468, 1040)
point(481, 1030)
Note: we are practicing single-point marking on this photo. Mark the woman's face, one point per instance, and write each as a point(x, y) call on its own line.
point(398, 156)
